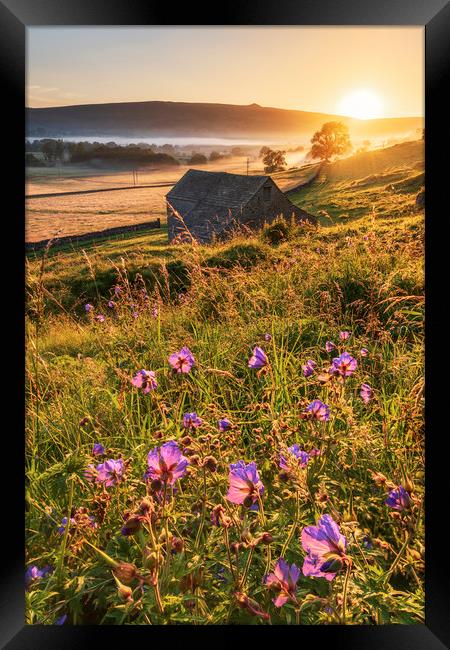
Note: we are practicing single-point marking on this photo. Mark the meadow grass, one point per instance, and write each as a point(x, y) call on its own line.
point(221, 300)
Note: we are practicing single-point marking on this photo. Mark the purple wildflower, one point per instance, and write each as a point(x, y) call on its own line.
point(314, 452)
point(296, 457)
point(224, 425)
point(98, 449)
point(399, 499)
point(182, 361)
point(155, 311)
point(135, 314)
point(33, 573)
point(366, 393)
point(88, 307)
point(100, 318)
point(267, 337)
point(318, 410)
point(61, 620)
point(110, 472)
point(329, 345)
point(145, 379)
point(117, 289)
point(111, 304)
point(258, 359)
point(244, 484)
point(325, 547)
point(308, 368)
point(62, 528)
point(284, 579)
point(166, 463)
point(191, 421)
point(344, 365)
point(344, 336)
point(364, 352)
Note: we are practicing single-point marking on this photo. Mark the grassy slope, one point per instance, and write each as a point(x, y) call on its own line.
point(365, 276)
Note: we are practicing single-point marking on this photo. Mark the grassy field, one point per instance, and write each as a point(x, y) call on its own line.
point(147, 551)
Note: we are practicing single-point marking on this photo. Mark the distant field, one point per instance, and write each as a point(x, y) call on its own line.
point(77, 214)
point(358, 180)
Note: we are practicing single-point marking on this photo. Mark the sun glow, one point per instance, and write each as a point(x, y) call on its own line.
point(362, 104)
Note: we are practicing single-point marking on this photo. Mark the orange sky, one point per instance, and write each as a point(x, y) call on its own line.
point(305, 68)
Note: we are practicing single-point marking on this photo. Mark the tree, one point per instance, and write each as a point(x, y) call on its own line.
point(332, 140)
point(263, 151)
point(215, 155)
point(274, 161)
point(197, 159)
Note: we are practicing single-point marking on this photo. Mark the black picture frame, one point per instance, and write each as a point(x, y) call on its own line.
point(15, 17)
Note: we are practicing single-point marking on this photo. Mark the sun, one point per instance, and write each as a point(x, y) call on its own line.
point(362, 104)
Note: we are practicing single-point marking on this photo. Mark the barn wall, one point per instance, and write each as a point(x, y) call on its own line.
point(257, 211)
point(254, 214)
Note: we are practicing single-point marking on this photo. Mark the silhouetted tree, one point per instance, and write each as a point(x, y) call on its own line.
point(274, 161)
point(263, 151)
point(197, 159)
point(215, 155)
point(332, 140)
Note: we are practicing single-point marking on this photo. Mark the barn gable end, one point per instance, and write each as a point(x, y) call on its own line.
point(209, 203)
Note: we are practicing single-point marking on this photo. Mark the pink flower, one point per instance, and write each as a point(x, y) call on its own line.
point(344, 365)
point(325, 548)
point(244, 484)
point(166, 463)
point(366, 393)
point(182, 361)
point(318, 410)
point(329, 345)
point(344, 336)
point(191, 421)
point(110, 472)
point(284, 580)
point(258, 359)
point(145, 379)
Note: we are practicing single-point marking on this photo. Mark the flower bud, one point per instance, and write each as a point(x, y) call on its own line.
point(409, 486)
point(132, 525)
point(266, 538)
point(210, 463)
point(194, 460)
point(177, 544)
point(125, 572)
point(152, 560)
point(186, 440)
point(145, 506)
point(125, 593)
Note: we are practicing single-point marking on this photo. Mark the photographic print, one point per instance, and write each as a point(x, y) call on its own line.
point(225, 325)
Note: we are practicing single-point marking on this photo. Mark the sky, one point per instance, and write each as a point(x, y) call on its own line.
point(367, 72)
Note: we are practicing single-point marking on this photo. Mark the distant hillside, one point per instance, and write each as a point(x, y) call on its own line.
point(182, 119)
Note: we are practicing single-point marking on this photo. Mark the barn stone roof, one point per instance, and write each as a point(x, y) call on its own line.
point(220, 192)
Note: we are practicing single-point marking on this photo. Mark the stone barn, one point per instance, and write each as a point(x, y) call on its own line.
point(214, 202)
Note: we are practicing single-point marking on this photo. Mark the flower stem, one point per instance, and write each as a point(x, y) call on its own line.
point(227, 545)
point(344, 593)
point(396, 560)
point(247, 567)
point(66, 532)
point(293, 527)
